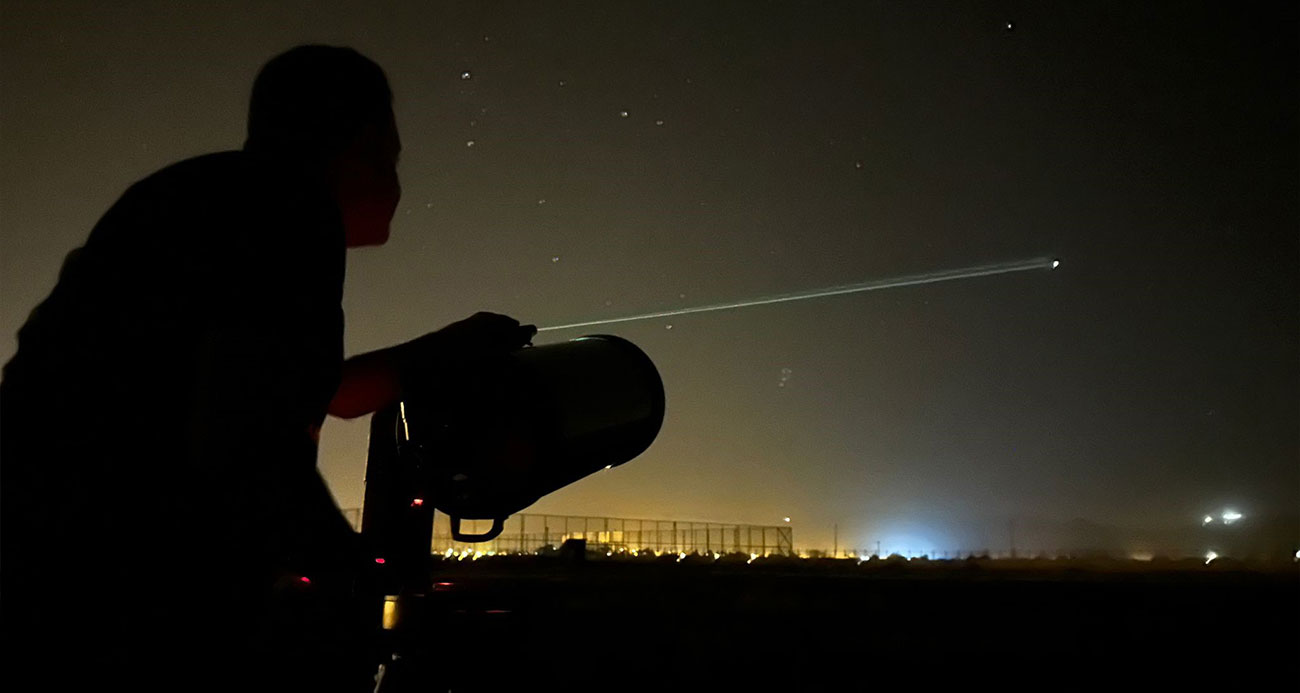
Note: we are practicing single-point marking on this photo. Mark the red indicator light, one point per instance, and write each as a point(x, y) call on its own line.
point(305, 580)
point(380, 561)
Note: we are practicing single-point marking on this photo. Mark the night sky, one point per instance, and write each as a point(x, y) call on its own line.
point(572, 161)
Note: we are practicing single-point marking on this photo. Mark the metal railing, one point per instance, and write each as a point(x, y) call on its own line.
point(529, 533)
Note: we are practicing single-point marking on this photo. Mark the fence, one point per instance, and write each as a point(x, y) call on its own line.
point(528, 533)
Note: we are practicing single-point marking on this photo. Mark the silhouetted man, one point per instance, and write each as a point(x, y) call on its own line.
point(161, 507)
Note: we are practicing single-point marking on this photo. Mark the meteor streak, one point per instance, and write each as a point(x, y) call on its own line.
point(1039, 263)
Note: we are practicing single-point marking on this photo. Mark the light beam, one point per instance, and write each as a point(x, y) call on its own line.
point(1039, 263)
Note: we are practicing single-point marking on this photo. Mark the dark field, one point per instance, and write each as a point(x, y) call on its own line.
point(840, 621)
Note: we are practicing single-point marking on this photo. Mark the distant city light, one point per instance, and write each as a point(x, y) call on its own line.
point(416, 502)
point(1230, 516)
point(1208, 519)
point(1210, 557)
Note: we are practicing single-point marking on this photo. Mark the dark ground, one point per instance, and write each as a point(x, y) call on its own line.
point(630, 623)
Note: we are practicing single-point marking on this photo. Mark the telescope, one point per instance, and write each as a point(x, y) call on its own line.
point(492, 437)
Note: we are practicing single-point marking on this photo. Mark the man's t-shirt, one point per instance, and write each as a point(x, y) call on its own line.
point(160, 415)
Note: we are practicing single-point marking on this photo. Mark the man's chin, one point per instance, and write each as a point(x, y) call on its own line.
point(369, 238)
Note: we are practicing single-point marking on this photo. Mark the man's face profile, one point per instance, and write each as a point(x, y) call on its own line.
point(366, 185)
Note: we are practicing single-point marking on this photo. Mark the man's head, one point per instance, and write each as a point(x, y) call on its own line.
point(330, 109)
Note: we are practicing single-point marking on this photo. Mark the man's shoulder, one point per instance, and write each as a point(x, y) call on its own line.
point(235, 182)
point(206, 173)
point(214, 160)
point(230, 191)
point(220, 210)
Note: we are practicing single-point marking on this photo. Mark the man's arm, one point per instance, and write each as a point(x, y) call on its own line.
point(369, 382)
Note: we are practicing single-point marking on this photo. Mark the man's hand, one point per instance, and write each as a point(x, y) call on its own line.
point(433, 358)
point(375, 380)
point(480, 333)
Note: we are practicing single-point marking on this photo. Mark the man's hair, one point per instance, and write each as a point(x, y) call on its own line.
point(311, 101)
